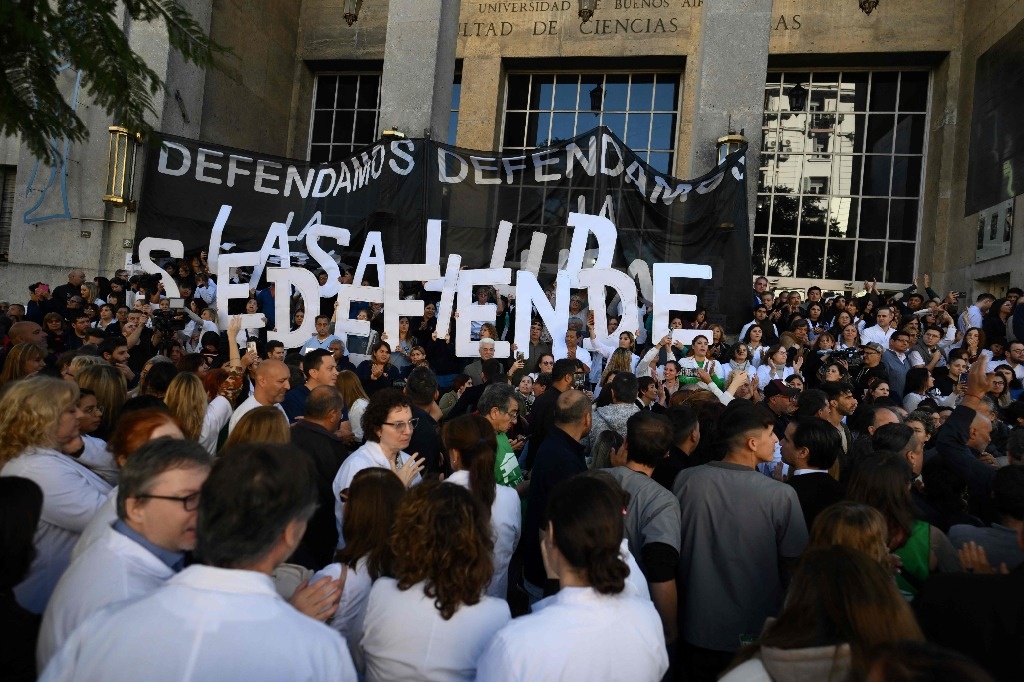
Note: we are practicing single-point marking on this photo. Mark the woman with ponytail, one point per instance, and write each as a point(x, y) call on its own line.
point(471, 443)
point(592, 628)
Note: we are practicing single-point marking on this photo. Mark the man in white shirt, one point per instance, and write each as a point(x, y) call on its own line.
point(221, 619)
point(1015, 358)
point(881, 331)
point(269, 388)
point(158, 494)
point(931, 352)
point(322, 338)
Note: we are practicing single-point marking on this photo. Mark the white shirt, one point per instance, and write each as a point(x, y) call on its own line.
point(367, 456)
point(71, 495)
point(218, 413)
point(877, 335)
point(766, 373)
point(97, 525)
point(579, 634)
point(506, 527)
point(248, 405)
point(348, 619)
point(114, 568)
point(355, 416)
point(205, 623)
point(405, 637)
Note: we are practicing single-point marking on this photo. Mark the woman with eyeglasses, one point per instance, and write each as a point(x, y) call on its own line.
point(387, 426)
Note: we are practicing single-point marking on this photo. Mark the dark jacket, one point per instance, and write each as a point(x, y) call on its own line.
point(326, 451)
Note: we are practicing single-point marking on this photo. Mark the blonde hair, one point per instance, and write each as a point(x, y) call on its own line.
point(29, 411)
point(80, 362)
point(621, 360)
point(350, 386)
point(14, 367)
point(111, 390)
point(186, 400)
point(266, 424)
point(852, 525)
point(94, 291)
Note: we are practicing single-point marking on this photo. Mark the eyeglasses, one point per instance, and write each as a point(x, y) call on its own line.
point(404, 426)
point(189, 502)
point(95, 409)
point(547, 362)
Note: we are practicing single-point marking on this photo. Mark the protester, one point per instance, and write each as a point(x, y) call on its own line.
point(21, 504)
point(266, 424)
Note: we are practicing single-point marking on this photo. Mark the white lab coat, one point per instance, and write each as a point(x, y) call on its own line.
point(114, 568)
point(71, 495)
point(506, 527)
point(579, 634)
point(98, 524)
point(205, 623)
point(367, 456)
point(218, 413)
point(405, 638)
point(348, 619)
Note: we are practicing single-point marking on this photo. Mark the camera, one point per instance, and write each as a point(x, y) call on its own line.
point(688, 372)
point(848, 354)
point(959, 294)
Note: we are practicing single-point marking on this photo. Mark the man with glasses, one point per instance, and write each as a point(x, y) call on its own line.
point(157, 499)
point(1015, 358)
point(871, 366)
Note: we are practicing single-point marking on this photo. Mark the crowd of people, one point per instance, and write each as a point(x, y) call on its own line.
point(832, 490)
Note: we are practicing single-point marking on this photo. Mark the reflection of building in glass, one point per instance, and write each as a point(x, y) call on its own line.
point(840, 181)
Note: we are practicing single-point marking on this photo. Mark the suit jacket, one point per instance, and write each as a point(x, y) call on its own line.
point(815, 492)
point(327, 452)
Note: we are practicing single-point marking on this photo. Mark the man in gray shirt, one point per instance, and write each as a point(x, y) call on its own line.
point(741, 531)
point(652, 516)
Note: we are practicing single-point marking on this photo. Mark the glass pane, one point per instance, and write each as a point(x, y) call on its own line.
point(792, 129)
point(876, 176)
point(903, 219)
point(787, 173)
point(914, 91)
point(906, 176)
point(910, 133)
point(638, 130)
point(785, 213)
point(563, 127)
point(772, 94)
point(880, 134)
point(839, 262)
point(843, 217)
point(873, 216)
point(616, 123)
point(343, 122)
point(846, 174)
point(369, 87)
point(661, 161)
point(456, 94)
point(870, 259)
point(665, 92)
point(540, 126)
point(322, 126)
point(769, 140)
point(616, 91)
point(766, 179)
point(325, 88)
point(663, 130)
point(453, 126)
point(781, 254)
point(518, 87)
point(883, 90)
point(813, 216)
point(541, 91)
point(566, 89)
point(810, 258)
point(515, 130)
point(591, 96)
point(347, 86)
point(757, 254)
point(641, 92)
point(366, 127)
point(341, 151)
point(854, 89)
point(789, 81)
point(899, 265)
point(319, 153)
point(761, 213)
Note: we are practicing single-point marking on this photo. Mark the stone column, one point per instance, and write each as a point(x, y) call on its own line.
point(728, 75)
point(419, 64)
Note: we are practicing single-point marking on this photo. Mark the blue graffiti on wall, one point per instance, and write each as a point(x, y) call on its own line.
point(59, 170)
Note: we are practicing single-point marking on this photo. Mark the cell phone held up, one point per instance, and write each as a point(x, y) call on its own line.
point(250, 347)
point(963, 379)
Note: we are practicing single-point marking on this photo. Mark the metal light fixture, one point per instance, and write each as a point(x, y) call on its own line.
point(587, 9)
point(867, 6)
point(797, 97)
point(597, 100)
point(727, 144)
point(351, 10)
point(121, 167)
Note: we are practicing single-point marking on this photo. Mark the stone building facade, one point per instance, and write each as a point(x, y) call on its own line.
point(863, 149)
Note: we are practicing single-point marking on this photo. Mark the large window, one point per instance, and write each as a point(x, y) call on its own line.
point(543, 109)
point(7, 177)
point(345, 111)
point(839, 191)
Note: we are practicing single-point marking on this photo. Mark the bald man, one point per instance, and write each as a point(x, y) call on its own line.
point(23, 332)
point(269, 388)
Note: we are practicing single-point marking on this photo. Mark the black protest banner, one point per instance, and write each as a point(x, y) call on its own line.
point(203, 196)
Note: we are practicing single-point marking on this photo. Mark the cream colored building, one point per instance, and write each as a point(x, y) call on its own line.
point(866, 178)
